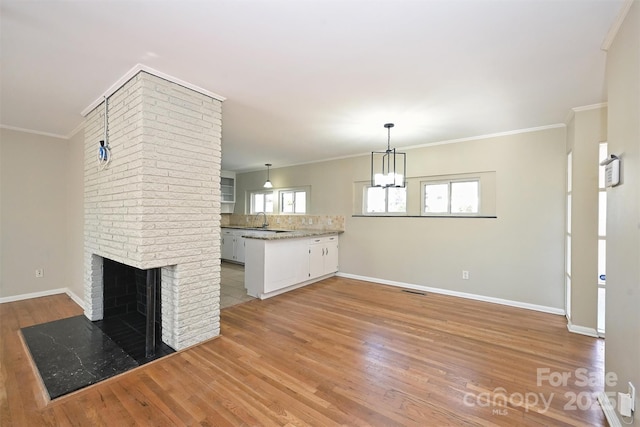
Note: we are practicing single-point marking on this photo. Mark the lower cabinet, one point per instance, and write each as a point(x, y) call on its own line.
point(232, 245)
point(276, 266)
point(323, 256)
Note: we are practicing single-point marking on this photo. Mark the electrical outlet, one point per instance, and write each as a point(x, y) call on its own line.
point(329, 221)
point(39, 272)
point(465, 275)
point(624, 404)
point(310, 221)
point(277, 220)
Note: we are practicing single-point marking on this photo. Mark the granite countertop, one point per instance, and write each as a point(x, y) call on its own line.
point(281, 234)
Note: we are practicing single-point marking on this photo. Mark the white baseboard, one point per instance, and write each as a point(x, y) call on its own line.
point(582, 330)
point(518, 304)
point(50, 292)
point(609, 410)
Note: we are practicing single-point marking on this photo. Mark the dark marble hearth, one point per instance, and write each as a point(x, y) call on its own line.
point(73, 353)
point(128, 331)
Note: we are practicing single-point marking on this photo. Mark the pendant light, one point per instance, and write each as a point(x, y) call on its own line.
point(268, 183)
point(388, 168)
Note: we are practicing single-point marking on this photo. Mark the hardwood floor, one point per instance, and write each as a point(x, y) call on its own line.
point(339, 352)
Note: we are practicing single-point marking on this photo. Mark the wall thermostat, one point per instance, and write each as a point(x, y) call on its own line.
point(611, 171)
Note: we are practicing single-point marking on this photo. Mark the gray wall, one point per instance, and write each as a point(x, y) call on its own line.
point(622, 355)
point(519, 256)
point(41, 213)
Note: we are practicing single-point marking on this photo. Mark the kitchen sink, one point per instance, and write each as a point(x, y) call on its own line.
point(268, 229)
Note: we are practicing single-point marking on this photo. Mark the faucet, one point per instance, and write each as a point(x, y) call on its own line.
point(265, 224)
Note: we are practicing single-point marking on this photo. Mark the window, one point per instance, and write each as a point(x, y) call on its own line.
point(451, 198)
point(293, 202)
point(287, 201)
point(389, 200)
point(262, 202)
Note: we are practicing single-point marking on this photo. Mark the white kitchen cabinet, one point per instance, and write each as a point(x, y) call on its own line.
point(228, 191)
point(233, 243)
point(323, 256)
point(276, 266)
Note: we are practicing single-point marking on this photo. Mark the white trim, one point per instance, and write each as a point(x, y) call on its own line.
point(582, 330)
point(511, 303)
point(609, 410)
point(615, 27)
point(590, 107)
point(48, 293)
point(135, 70)
point(76, 299)
point(35, 132)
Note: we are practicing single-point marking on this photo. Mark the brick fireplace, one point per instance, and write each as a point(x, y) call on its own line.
point(156, 204)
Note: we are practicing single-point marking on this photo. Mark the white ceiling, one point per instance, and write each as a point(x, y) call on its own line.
point(314, 79)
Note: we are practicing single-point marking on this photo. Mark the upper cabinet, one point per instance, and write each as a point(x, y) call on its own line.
point(228, 190)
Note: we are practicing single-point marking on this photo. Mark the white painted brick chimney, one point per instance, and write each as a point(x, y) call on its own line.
point(157, 203)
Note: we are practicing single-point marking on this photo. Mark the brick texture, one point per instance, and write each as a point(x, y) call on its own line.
point(157, 203)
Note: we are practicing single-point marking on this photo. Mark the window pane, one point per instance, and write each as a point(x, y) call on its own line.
point(602, 261)
point(464, 197)
point(286, 202)
point(569, 170)
point(397, 199)
point(258, 203)
point(569, 213)
point(602, 294)
point(436, 198)
point(602, 213)
point(567, 302)
point(268, 203)
point(375, 200)
point(601, 157)
point(300, 202)
point(568, 261)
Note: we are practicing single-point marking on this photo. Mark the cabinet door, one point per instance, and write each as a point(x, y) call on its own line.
point(228, 244)
point(316, 260)
point(240, 245)
point(331, 256)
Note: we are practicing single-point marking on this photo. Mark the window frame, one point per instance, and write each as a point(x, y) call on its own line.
point(449, 183)
point(386, 212)
point(276, 198)
point(293, 191)
point(252, 195)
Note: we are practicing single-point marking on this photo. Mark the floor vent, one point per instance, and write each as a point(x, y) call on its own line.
point(414, 292)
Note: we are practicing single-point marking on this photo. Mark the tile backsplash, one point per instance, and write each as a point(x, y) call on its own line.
point(288, 222)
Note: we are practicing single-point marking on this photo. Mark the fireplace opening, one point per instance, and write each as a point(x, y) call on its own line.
point(133, 310)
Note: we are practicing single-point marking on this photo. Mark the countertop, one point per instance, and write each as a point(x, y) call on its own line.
point(282, 234)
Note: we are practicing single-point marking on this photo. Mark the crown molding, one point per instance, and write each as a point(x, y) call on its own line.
point(615, 27)
point(572, 112)
point(135, 70)
point(34, 132)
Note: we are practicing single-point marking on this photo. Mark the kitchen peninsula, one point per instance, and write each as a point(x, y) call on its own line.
point(277, 260)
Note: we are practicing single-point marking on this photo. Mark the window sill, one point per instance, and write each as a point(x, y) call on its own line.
point(426, 216)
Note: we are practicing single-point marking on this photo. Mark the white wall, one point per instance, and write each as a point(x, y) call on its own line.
point(518, 256)
point(622, 355)
point(35, 219)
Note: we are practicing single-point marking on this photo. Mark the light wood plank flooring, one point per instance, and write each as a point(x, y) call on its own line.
point(339, 352)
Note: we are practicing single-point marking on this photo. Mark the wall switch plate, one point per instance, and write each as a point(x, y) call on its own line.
point(465, 274)
point(624, 404)
point(39, 272)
